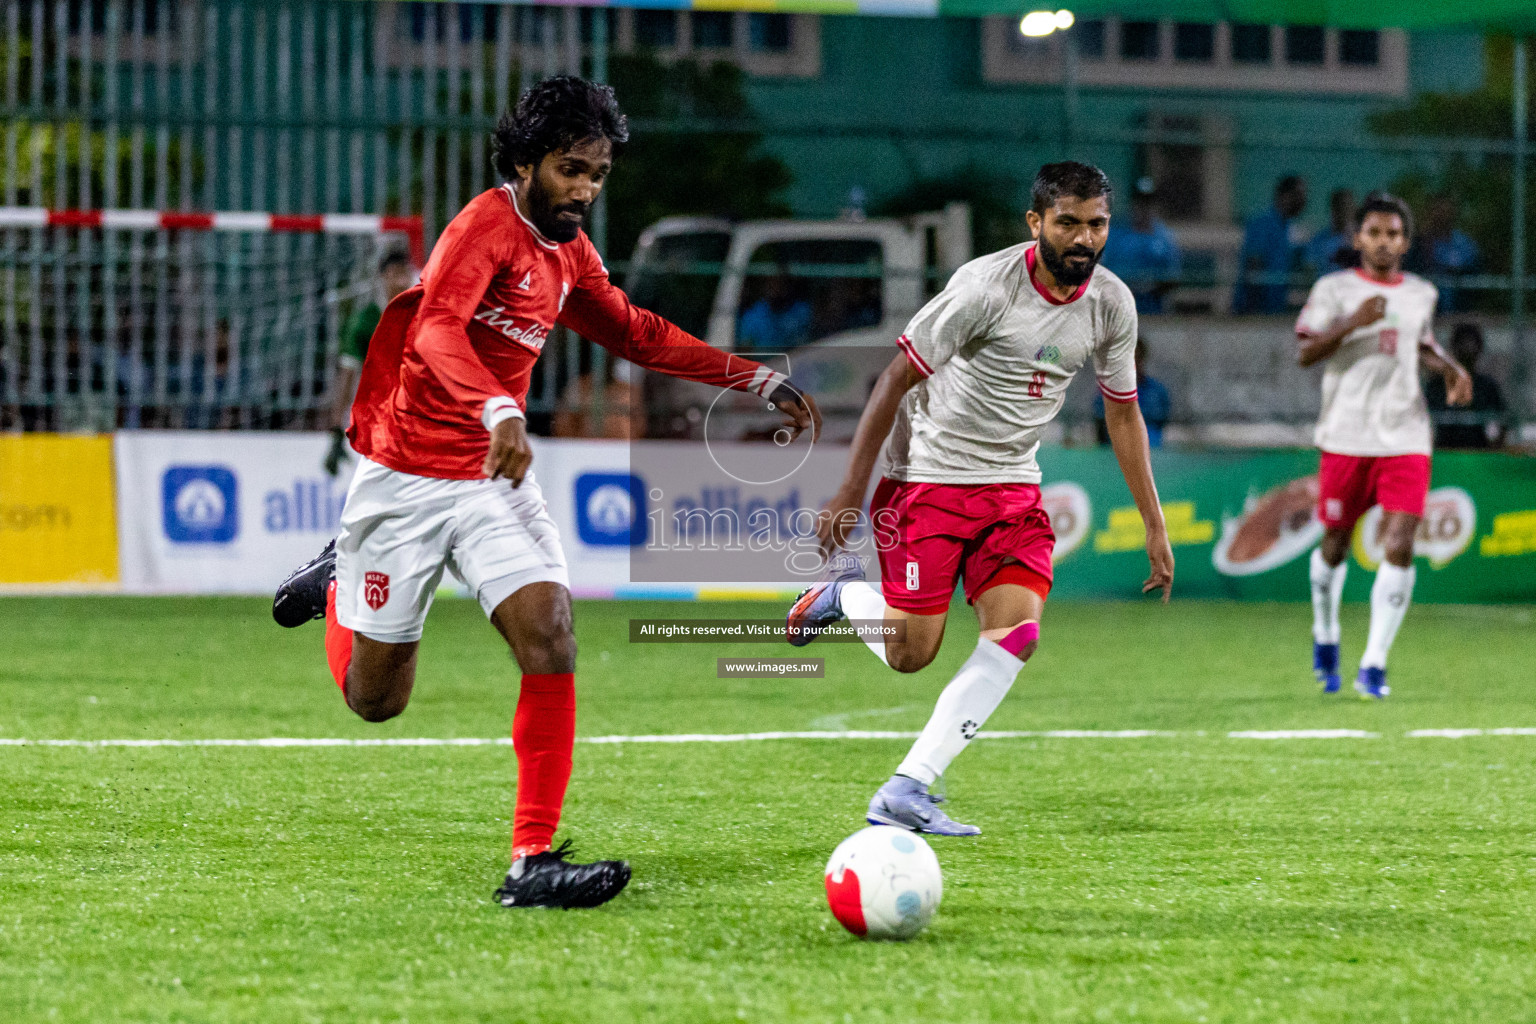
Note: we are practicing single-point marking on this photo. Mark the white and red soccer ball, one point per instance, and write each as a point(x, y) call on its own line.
point(884, 883)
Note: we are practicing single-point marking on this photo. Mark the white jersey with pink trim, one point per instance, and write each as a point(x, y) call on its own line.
point(1373, 404)
point(997, 353)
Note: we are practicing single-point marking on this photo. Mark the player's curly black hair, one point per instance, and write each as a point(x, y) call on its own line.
point(1385, 202)
point(553, 116)
point(1068, 178)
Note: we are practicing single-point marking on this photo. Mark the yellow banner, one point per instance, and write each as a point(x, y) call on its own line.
point(57, 520)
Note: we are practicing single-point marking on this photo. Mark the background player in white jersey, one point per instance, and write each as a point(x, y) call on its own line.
point(982, 369)
point(1373, 325)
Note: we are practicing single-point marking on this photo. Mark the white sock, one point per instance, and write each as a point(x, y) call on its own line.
point(963, 708)
point(860, 600)
point(1327, 593)
point(1390, 595)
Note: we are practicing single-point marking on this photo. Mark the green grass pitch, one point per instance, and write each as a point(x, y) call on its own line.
point(1192, 877)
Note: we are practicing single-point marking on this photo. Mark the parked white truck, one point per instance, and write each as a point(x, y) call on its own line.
point(823, 300)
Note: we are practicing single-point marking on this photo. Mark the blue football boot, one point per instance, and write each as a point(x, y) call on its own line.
point(1325, 665)
point(1372, 684)
point(906, 803)
point(817, 606)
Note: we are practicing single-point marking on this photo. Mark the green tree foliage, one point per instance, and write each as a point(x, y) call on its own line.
point(996, 220)
point(693, 150)
point(1479, 183)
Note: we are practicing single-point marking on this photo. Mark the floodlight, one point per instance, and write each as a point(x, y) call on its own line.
point(1036, 24)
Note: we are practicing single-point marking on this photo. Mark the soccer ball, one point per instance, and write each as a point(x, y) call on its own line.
point(884, 883)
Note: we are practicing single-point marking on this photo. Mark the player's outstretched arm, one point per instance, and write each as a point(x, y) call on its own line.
point(1128, 436)
point(600, 312)
point(842, 513)
point(1458, 382)
point(798, 407)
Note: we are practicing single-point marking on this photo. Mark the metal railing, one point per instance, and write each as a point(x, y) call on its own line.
point(335, 106)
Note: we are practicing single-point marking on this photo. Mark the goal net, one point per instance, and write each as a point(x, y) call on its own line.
point(135, 318)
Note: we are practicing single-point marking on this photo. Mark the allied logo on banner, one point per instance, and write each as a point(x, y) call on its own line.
point(609, 509)
point(376, 589)
point(200, 504)
point(308, 505)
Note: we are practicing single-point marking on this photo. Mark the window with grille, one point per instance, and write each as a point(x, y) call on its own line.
point(1123, 53)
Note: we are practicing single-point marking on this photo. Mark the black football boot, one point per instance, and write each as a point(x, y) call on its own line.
point(549, 880)
point(301, 597)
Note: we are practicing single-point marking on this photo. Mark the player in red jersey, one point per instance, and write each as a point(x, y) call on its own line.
point(445, 481)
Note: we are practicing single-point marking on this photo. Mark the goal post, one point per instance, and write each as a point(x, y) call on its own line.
point(181, 319)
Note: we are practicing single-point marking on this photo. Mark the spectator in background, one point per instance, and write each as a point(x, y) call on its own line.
point(1443, 252)
point(1151, 395)
point(1478, 424)
point(620, 415)
point(1144, 253)
point(1333, 248)
point(776, 320)
point(213, 391)
point(1270, 249)
point(395, 275)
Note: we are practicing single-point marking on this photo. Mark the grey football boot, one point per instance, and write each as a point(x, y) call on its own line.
point(906, 803)
point(816, 608)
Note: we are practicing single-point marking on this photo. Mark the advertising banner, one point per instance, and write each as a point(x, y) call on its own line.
point(214, 512)
point(208, 512)
point(56, 521)
point(1242, 524)
point(735, 518)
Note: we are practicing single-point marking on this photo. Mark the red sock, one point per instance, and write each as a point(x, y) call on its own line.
point(338, 641)
point(543, 734)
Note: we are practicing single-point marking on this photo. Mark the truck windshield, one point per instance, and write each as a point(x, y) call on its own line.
point(678, 275)
point(803, 290)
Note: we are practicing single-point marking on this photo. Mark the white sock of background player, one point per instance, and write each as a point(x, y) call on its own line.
point(860, 600)
point(968, 701)
point(1327, 593)
point(1390, 595)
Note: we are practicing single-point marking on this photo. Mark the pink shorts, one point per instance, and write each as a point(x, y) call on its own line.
point(931, 535)
point(1347, 485)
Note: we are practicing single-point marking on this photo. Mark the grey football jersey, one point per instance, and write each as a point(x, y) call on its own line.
point(997, 353)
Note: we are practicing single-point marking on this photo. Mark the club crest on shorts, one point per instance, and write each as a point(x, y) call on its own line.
point(376, 589)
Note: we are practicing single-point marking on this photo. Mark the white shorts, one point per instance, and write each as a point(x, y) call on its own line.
point(400, 531)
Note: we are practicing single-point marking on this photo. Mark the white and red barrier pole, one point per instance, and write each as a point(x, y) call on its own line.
point(185, 220)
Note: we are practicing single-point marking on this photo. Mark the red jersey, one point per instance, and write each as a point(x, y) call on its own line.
point(452, 356)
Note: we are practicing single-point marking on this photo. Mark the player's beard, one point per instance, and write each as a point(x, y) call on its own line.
point(1066, 274)
point(546, 215)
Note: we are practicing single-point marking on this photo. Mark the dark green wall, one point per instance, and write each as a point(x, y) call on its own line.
point(900, 99)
